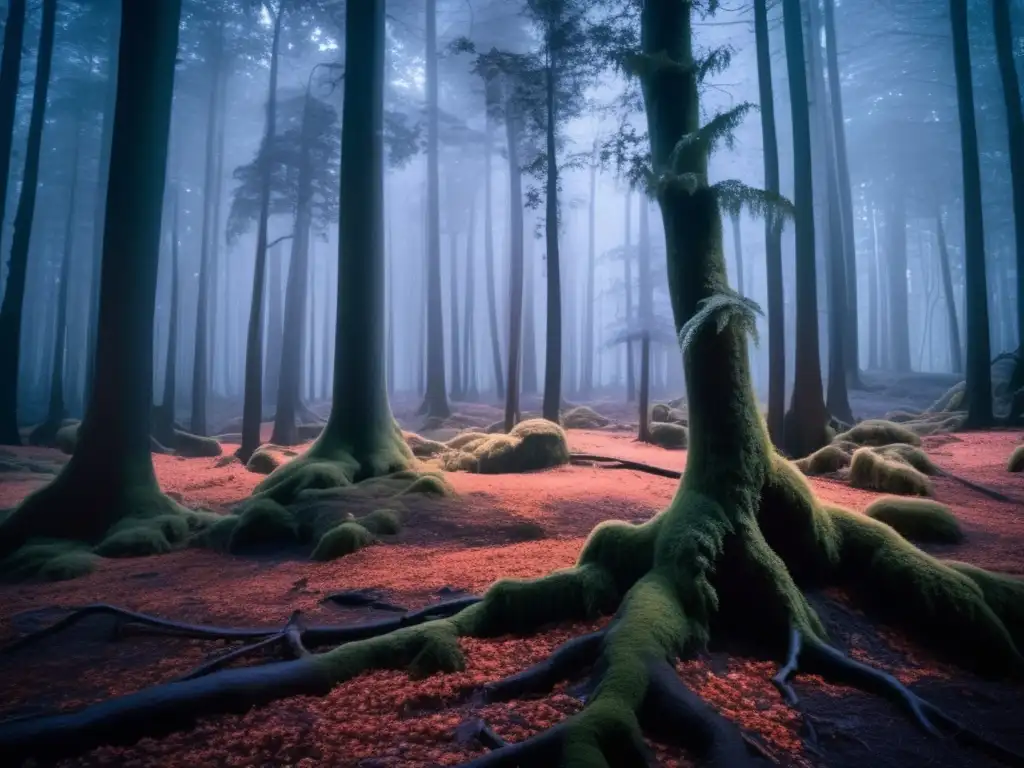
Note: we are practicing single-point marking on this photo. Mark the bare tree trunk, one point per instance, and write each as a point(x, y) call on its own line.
point(953, 324)
point(588, 309)
point(874, 309)
point(553, 357)
point(468, 386)
point(898, 329)
point(515, 329)
point(10, 76)
point(492, 304)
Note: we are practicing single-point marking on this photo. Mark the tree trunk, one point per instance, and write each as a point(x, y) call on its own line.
point(953, 324)
point(851, 345)
point(492, 303)
point(528, 338)
point(553, 357)
point(772, 231)
point(201, 358)
point(14, 288)
point(164, 421)
point(627, 265)
point(1015, 131)
point(898, 329)
point(389, 279)
point(252, 409)
point(325, 335)
point(293, 336)
point(588, 309)
point(874, 310)
point(806, 421)
point(99, 214)
point(274, 331)
point(220, 350)
point(435, 401)
point(515, 327)
point(737, 242)
point(10, 76)
point(453, 301)
point(468, 357)
point(645, 300)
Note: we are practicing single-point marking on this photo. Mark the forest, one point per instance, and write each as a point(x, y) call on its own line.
point(494, 383)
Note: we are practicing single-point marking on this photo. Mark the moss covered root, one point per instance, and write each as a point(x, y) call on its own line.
point(1016, 461)
point(878, 432)
point(917, 519)
point(875, 471)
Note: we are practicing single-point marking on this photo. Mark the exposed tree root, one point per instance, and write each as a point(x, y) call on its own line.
point(479, 731)
point(610, 462)
point(568, 659)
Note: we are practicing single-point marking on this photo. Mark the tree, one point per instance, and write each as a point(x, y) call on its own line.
point(1015, 129)
point(773, 232)
point(10, 75)
point(953, 325)
point(807, 420)
point(979, 372)
point(490, 106)
point(252, 409)
point(165, 418)
point(14, 288)
point(109, 478)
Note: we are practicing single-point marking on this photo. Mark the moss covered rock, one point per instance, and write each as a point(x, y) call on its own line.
point(668, 435)
point(343, 539)
point(582, 417)
point(918, 519)
point(873, 471)
point(826, 460)
point(1016, 461)
point(139, 540)
point(422, 447)
point(49, 560)
point(878, 432)
point(195, 446)
point(263, 522)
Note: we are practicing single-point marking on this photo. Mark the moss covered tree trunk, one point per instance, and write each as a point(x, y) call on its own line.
point(515, 323)
point(435, 401)
point(14, 287)
point(221, 340)
point(979, 352)
point(589, 351)
point(110, 475)
point(772, 231)
point(553, 330)
point(645, 302)
point(252, 407)
point(489, 270)
point(1015, 130)
point(627, 287)
point(201, 348)
point(806, 421)
point(956, 360)
point(10, 75)
point(164, 417)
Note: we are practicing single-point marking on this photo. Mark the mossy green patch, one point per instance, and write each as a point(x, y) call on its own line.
point(265, 460)
point(195, 446)
point(263, 522)
point(872, 471)
point(531, 445)
point(422, 447)
point(1016, 461)
point(878, 432)
point(917, 519)
point(668, 435)
point(67, 438)
point(381, 522)
point(134, 540)
point(824, 461)
point(49, 560)
point(583, 417)
point(342, 540)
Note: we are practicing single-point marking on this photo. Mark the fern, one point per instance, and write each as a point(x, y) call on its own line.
point(734, 196)
point(716, 62)
point(725, 308)
point(719, 129)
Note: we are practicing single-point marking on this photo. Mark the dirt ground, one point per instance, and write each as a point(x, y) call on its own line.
point(384, 719)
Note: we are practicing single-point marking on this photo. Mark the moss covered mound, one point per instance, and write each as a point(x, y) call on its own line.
point(669, 435)
point(531, 445)
point(195, 446)
point(49, 560)
point(422, 447)
point(921, 520)
point(873, 471)
point(826, 460)
point(1016, 461)
point(878, 432)
point(582, 417)
point(662, 413)
point(67, 438)
point(343, 539)
point(269, 457)
point(263, 523)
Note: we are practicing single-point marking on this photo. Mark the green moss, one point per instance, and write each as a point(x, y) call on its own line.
point(195, 446)
point(872, 471)
point(217, 535)
point(668, 435)
point(263, 522)
point(583, 417)
point(665, 414)
point(139, 540)
point(911, 455)
point(430, 484)
point(264, 460)
point(878, 432)
point(422, 447)
point(342, 540)
point(289, 481)
point(900, 417)
point(48, 560)
point(381, 522)
point(824, 461)
point(918, 519)
point(467, 440)
point(531, 445)
point(1016, 462)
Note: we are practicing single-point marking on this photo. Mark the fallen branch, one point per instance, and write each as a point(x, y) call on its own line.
point(589, 458)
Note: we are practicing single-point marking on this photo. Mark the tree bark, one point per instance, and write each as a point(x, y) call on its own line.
point(275, 285)
point(515, 328)
point(806, 421)
point(10, 77)
point(252, 408)
point(953, 324)
point(163, 426)
point(645, 300)
point(469, 387)
point(874, 310)
point(588, 309)
point(492, 304)
point(528, 338)
point(737, 242)
point(627, 267)
point(553, 357)
point(453, 300)
point(14, 287)
point(898, 329)
point(772, 231)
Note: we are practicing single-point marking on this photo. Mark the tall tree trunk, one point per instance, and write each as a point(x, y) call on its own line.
point(164, 421)
point(588, 309)
point(453, 300)
point(772, 231)
point(389, 278)
point(10, 76)
point(979, 353)
point(528, 338)
point(252, 408)
point(325, 335)
point(953, 324)
point(806, 421)
point(645, 301)
point(435, 401)
point(490, 272)
point(293, 337)
point(553, 357)
point(874, 310)
point(468, 356)
point(898, 329)
point(201, 354)
point(99, 214)
point(515, 327)
point(627, 263)
point(14, 288)
point(851, 345)
point(1015, 131)
point(110, 475)
point(737, 244)
point(220, 350)
point(274, 331)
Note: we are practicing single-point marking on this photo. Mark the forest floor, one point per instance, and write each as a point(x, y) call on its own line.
point(384, 719)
